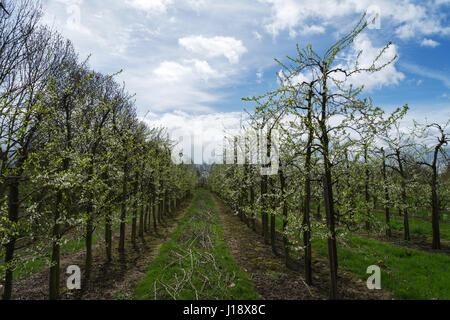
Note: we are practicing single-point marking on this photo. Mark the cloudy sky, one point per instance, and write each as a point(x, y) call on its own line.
point(191, 61)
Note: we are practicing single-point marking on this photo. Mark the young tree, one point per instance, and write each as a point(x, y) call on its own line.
point(431, 152)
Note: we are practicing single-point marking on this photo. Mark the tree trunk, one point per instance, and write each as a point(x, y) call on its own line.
point(404, 198)
point(88, 261)
point(123, 213)
point(154, 217)
point(386, 197)
point(366, 189)
point(252, 206)
point(55, 259)
point(146, 218)
point(328, 196)
point(307, 214)
point(135, 209)
point(108, 235)
point(436, 244)
point(287, 256)
point(332, 254)
point(13, 216)
point(264, 217)
point(142, 217)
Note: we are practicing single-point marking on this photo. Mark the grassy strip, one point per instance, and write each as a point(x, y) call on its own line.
point(417, 226)
point(408, 273)
point(195, 263)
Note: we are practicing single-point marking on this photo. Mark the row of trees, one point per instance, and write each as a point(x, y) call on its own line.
point(336, 152)
point(74, 156)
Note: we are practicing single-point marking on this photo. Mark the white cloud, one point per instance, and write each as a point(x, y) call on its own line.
point(229, 47)
point(429, 43)
point(310, 30)
point(204, 70)
point(408, 19)
point(170, 71)
point(150, 6)
point(425, 72)
point(389, 75)
point(144, 38)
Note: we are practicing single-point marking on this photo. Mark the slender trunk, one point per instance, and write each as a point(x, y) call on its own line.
point(154, 217)
point(264, 217)
point(166, 204)
point(406, 225)
point(108, 235)
point(89, 231)
point(273, 232)
point(13, 216)
point(332, 254)
point(135, 209)
point(88, 261)
point(287, 257)
point(328, 196)
point(142, 220)
point(404, 198)
point(306, 216)
point(386, 197)
point(366, 189)
point(252, 207)
point(123, 213)
point(436, 244)
point(55, 259)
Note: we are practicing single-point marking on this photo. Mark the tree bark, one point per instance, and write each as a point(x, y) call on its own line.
point(13, 216)
point(108, 235)
point(407, 236)
point(307, 205)
point(123, 213)
point(386, 197)
point(436, 243)
point(55, 259)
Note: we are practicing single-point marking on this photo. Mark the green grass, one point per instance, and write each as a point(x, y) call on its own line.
point(409, 274)
point(225, 280)
point(417, 225)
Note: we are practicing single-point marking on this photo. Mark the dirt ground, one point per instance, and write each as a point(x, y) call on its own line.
point(110, 281)
point(273, 280)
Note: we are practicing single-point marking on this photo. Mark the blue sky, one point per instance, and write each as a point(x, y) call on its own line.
point(190, 62)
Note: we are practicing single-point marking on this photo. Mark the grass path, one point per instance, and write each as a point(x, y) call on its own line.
point(195, 263)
